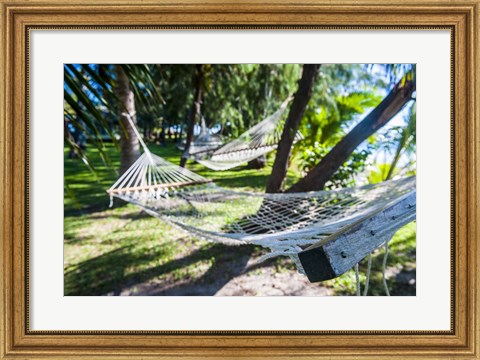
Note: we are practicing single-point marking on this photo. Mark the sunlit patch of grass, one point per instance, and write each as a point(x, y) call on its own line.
point(103, 255)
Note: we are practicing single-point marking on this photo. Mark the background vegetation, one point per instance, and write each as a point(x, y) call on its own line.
point(123, 251)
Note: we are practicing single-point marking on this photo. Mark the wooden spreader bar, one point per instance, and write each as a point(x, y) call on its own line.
point(339, 252)
point(159, 186)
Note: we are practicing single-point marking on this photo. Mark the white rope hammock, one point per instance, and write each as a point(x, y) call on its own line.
point(204, 142)
point(257, 141)
point(284, 223)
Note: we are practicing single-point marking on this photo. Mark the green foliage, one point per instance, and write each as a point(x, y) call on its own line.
point(239, 96)
point(398, 145)
point(176, 86)
point(378, 173)
point(236, 97)
point(326, 123)
point(91, 105)
point(345, 175)
point(342, 93)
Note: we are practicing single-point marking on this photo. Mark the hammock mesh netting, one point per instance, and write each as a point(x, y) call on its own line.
point(257, 141)
point(284, 223)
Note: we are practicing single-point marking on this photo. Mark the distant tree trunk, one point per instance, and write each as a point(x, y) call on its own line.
point(386, 110)
point(129, 144)
point(197, 101)
point(300, 102)
point(163, 131)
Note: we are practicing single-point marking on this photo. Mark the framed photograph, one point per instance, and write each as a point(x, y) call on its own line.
point(230, 179)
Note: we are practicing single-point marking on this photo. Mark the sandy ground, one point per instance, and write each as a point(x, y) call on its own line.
point(252, 281)
point(246, 277)
point(217, 270)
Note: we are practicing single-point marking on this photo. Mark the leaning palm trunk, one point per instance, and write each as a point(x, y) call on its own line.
point(299, 105)
point(391, 105)
point(130, 149)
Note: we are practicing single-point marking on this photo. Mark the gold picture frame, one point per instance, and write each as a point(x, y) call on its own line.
point(461, 18)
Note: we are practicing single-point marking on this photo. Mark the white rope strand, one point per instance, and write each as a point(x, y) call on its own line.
point(369, 269)
point(357, 279)
point(135, 130)
point(384, 266)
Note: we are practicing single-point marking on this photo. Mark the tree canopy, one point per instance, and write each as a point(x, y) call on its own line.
point(233, 98)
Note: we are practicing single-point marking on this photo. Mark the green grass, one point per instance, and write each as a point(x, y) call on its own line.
point(109, 250)
point(87, 190)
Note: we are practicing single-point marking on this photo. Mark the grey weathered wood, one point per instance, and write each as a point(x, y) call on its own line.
point(339, 252)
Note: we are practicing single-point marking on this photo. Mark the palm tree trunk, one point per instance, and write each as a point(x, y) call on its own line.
point(300, 102)
point(129, 144)
point(381, 115)
point(197, 101)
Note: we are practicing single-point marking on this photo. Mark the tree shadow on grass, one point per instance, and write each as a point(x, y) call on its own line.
point(231, 263)
point(110, 273)
point(106, 273)
point(404, 283)
point(135, 214)
point(94, 207)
